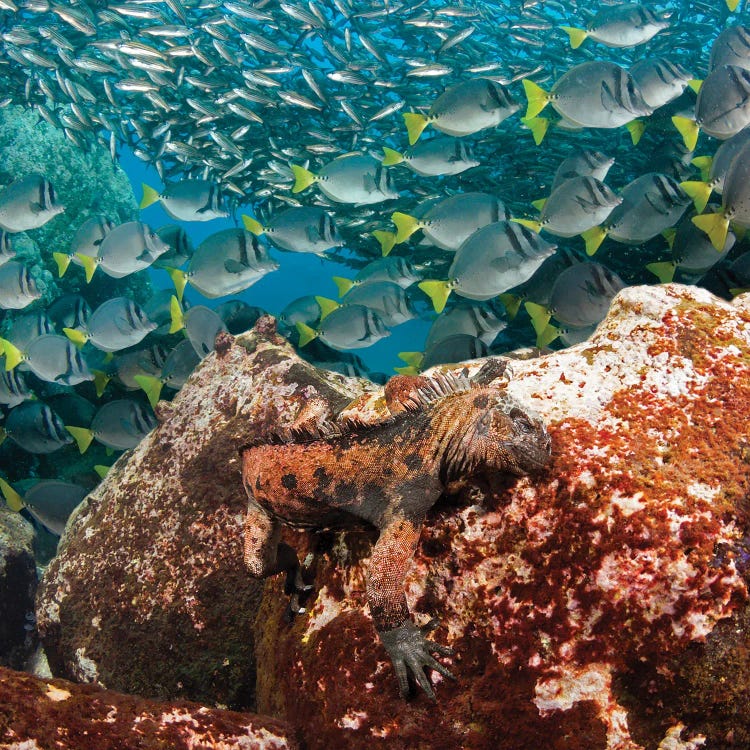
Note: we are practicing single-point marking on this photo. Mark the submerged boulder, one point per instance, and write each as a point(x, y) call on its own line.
point(18, 583)
point(595, 606)
point(148, 593)
point(37, 713)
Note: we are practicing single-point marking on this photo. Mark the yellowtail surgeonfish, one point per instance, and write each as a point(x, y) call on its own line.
point(595, 94)
point(17, 286)
point(302, 229)
point(344, 326)
point(735, 201)
point(650, 204)
point(351, 178)
point(28, 203)
point(50, 501)
point(51, 358)
point(463, 109)
point(451, 221)
point(436, 156)
point(187, 200)
point(34, 427)
point(120, 424)
point(492, 260)
point(626, 25)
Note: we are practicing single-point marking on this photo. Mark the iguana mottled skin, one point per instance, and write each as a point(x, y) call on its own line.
point(388, 475)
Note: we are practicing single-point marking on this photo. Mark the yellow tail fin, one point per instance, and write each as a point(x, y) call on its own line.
point(327, 306)
point(437, 291)
point(175, 312)
point(405, 224)
point(83, 437)
point(303, 178)
point(593, 238)
point(547, 336)
point(732, 5)
point(535, 226)
point(415, 124)
point(664, 270)
point(101, 470)
point(413, 359)
point(695, 84)
point(699, 191)
point(539, 315)
point(408, 370)
point(536, 96)
point(13, 355)
point(306, 334)
point(391, 157)
point(12, 498)
point(669, 234)
point(511, 303)
point(577, 36)
point(343, 284)
point(538, 127)
point(715, 226)
point(688, 130)
point(63, 261)
point(150, 196)
point(252, 225)
point(89, 264)
point(635, 128)
point(151, 386)
point(100, 382)
point(704, 164)
point(387, 241)
point(539, 204)
point(79, 338)
point(179, 279)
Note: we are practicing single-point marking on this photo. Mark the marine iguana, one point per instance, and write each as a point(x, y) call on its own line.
point(389, 474)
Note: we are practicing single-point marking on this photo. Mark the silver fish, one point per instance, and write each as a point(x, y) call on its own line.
point(352, 178)
point(50, 357)
point(731, 47)
point(34, 427)
point(626, 25)
point(180, 247)
point(582, 162)
point(202, 325)
point(187, 200)
point(575, 206)
point(28, 203)
point(226, 262)
point(7, 251)
point(595, 94)
point(119, 424)
point(116, 324)
point(481, 320)
point(451, 221)
point(13, 388)
point(492, 260)
point(463, 109)
point(389, 300)
point(17, 286)
point(50, 501)
point(346, 327)
point(306, 229)
point(69, 311)
point(437, 156)
point(659, 80)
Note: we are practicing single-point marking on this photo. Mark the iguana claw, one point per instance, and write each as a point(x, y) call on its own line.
point(409, 648)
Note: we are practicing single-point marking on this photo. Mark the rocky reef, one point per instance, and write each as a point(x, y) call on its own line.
point(602, 605)
point(36, 713)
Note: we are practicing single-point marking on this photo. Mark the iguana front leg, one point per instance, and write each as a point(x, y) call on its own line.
point(265, 555)
point(405, 643)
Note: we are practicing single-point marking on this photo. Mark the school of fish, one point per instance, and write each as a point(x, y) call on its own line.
point(467, 160)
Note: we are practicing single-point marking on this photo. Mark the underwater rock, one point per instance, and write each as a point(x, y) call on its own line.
point(18, 583)
point(597, 606)
point(149, 593)
point(39, 713)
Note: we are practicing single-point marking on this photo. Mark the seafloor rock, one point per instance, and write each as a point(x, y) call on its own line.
point(589, 608)
point(149, 593)
point(601, 605)
point(18, 583)
point(36, 714)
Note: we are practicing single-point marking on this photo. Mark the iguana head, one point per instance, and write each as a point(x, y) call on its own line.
point(504, 436)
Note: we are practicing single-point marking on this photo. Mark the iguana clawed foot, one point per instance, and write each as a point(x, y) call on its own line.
point(299, 590)
point(410, 650)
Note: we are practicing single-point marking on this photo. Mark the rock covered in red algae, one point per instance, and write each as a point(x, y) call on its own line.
point(36, 714)
point(596, 606)
point(18, 583)
point(148, 593)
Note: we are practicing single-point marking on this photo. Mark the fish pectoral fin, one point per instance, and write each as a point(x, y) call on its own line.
point(235, 266)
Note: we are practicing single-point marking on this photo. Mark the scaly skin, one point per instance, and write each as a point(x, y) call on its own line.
point(388, 475)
